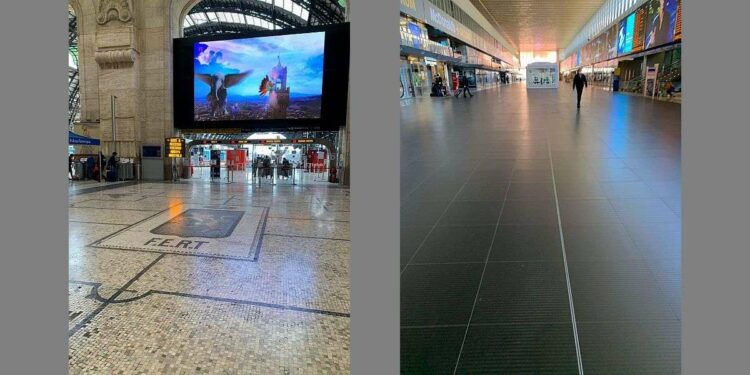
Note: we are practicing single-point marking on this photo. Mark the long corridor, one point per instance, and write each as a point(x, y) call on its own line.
point(540, 239)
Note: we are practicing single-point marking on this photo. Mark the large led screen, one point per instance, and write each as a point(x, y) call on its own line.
point(629, 28)
point(612, 42)
point(274, 77)
point(661, 23)
point(285, 80)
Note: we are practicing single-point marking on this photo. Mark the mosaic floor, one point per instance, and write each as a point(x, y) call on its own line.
point(209, 278)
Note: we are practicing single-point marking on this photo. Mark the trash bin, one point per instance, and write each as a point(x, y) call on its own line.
point(616, 84)
point(78, 171)
point(125, 171)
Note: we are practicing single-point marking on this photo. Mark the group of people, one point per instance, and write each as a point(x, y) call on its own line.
point(92, 167)
point(263, 163)
point(438, 87)
point(460, 85)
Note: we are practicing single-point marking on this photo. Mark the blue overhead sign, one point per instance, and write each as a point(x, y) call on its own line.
point(77, 139)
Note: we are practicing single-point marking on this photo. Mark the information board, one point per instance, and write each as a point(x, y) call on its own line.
point(175, 147)
point(678, 22)
point(639, 32)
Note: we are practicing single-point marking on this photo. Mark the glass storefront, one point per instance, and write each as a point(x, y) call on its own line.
point(406, 88)
point(415, 77)
point(487, 78)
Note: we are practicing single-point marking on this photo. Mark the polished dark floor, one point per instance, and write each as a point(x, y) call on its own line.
point(540, 239)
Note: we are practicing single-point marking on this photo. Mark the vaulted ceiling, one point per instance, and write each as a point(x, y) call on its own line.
point(538, 25)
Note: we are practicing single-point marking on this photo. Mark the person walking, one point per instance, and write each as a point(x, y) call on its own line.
point(464, 81)
point(579, 82)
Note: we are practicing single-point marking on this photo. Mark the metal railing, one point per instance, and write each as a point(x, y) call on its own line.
point(257, 174)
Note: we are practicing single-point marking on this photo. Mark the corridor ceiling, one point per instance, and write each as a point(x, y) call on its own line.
point(538, 25)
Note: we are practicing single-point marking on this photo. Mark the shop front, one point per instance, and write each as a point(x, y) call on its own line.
point(487, 78)
point(439, 71)
point(419, 72)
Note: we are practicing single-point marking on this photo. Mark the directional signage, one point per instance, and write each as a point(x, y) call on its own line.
point(175, 147)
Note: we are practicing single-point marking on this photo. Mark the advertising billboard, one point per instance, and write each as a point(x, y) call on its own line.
point(661, 25)
point(283, 79)
point(416, 31)
point(612, 42)
point(629, 28)
point(246, 79)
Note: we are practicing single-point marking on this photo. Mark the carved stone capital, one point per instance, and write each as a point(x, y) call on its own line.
point(110, 10)
point(116, 58)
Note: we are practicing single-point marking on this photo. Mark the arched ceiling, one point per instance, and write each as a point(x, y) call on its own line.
point(233, 16)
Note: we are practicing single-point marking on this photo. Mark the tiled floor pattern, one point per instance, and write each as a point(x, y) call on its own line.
point(493, 189)
point(158, 286)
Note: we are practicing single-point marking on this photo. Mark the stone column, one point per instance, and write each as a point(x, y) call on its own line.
point(116, 54)
point(344, 132)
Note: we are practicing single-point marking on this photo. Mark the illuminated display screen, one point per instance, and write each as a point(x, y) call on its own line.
point(639, 33)
point(263, 80)
point(662, 22)
point(259, 78)
point(629, 27)
point(175, 147)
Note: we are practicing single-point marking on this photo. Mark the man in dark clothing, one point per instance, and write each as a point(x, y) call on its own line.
point(579, 82)
point(112, 164)
point(464, 81)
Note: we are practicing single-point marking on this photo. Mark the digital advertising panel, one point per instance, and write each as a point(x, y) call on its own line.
point(259, 78)
point(662, 22)
point(629, 28)
point(612, 42)
point(281, 80)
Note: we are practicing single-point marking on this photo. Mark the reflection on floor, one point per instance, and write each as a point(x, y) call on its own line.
point(209, 278)
point(540, 239)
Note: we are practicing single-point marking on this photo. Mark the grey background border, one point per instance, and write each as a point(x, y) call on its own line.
point(33, 207)
point(716, 215)
point(375, 212)
point(716, 186)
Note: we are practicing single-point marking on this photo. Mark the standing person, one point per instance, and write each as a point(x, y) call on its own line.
point(454, 82)
point(579, 82)
point(102, 166)
point(440, 85)
point(70, 167)
point(90, 167)
point(112, 165)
